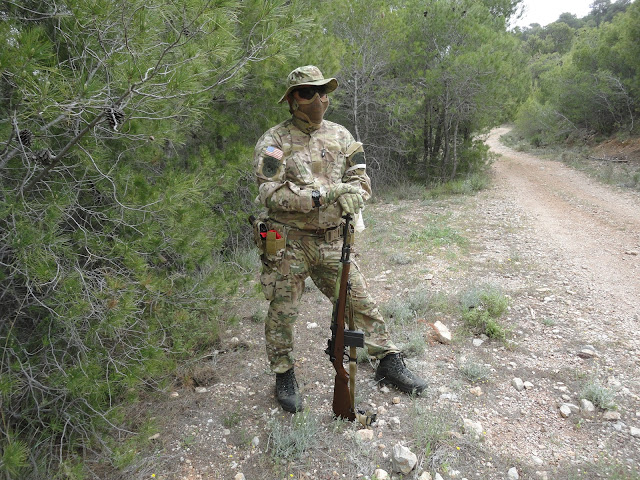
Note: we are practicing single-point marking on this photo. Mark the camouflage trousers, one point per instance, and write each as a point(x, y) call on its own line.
point(283, 280)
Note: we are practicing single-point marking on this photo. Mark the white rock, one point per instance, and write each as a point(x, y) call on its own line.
point(477, 342)
point(611, 416)
point(477, 391)
point(537, 460)
point(513, 474)
point(239, 476)
point(174, 394)
point(443, 335)
point(634, 431)
point(587, 406)
point(154, 437)
point(438, 477)
point(381, 474)
point(518, 384)
point(588, 351)
point(473, 428)
point(312, 325)
point(364, 435)
point(403, 460)
point(385, 389)
point(448, 396)
point(528, 385)
point(201, 390)
point(425, 476)
point(565, 411)
point(255, 441)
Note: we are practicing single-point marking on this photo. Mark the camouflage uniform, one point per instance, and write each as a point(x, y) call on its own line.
point(289, 163)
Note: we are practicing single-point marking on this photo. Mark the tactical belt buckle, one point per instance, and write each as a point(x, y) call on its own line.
point(332, 235)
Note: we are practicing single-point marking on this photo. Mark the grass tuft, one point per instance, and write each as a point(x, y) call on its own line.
point(474, 372)
point(290, 440)
point(482, 307)
point(600, 396)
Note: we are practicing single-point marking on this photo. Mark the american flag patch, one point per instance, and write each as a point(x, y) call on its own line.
point(273, 152)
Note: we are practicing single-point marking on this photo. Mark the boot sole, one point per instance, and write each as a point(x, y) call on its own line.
point(291, 409)
point(411, 391)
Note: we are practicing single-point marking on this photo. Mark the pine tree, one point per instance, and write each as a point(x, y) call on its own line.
point(112, 215)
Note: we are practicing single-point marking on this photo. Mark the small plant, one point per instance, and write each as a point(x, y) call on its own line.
point(231, 420)
point(400, 259)
point(598, 395)
point(437, 234)
point(410, 307)
point(474, 372)
point(481, 309)
point(398, 309)
point(548, 322)
point(431, 433)
point(416, 346)
point(289, 441)
point(259, 315)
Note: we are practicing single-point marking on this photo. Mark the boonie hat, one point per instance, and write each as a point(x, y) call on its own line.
point(308, 75)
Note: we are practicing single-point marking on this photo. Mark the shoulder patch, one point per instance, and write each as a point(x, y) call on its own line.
point(270, 162)
point(273, 152)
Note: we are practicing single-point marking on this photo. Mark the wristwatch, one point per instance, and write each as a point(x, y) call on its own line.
point(315, 196)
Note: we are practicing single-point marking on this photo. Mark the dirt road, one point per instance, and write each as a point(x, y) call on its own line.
point(596, 226)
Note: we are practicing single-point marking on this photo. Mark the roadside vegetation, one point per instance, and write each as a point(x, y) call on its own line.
point(585, 87)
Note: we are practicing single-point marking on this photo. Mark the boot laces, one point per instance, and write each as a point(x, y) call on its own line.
point(288, 382)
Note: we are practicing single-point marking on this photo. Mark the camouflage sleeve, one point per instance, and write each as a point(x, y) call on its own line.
point(274, 191)
point(356, 169)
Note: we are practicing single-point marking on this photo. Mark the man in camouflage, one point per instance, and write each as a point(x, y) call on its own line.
point(310, 173)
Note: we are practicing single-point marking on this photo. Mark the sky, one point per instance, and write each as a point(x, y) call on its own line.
point(548, 11)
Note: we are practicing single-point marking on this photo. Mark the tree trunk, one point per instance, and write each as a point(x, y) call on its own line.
point(455, 150)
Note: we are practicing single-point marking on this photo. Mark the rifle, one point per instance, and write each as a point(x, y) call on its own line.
point(344, 388)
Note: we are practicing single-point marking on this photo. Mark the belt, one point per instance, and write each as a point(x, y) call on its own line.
point(329, 234)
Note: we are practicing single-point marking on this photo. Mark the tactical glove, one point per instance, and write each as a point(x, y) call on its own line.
point(351, 203)
point(337, 190)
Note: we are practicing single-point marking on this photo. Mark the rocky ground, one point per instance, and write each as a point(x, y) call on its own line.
point(562, 249)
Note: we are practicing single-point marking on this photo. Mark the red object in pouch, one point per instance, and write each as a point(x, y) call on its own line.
point(264, 234)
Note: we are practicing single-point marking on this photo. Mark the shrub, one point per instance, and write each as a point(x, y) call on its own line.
point(482, 307)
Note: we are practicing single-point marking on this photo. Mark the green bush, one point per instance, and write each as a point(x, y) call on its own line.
point(482, 307)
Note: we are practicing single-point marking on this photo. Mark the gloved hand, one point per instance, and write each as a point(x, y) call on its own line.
point(338, 190)
point(351, 203)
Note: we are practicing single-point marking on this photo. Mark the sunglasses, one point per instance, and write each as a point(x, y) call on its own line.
point(309, 92)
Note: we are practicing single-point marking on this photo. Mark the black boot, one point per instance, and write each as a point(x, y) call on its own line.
point(287, 391)
point(393, 371)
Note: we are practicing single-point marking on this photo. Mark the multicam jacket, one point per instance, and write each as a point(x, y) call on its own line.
point(289, 164)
